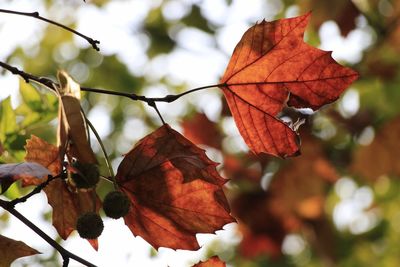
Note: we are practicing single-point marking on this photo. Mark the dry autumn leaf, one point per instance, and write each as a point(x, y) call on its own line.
point(10, 173)
point(272, 67)
point(67, 203)
point(298, 189)
point(295, 195)
point(72, 132)
point(343, 12)
point(174, 189)
point(47, 155)
point(11, 250)
point(201, 131)
point(211, 262)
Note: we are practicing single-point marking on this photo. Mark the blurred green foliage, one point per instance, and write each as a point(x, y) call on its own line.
point(340, 134)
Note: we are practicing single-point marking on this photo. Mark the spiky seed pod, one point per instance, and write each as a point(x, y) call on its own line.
point(116, 204)
point(88, 175)
point(89, 225)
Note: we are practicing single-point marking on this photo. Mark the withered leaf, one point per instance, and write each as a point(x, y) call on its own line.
point(343, 12)
point(272, 67)
point(9, 173)
point(298, 189)
point(201, 131)
point(72, 133)
point(39, 151)
point(67, 202)
point(295, 195)
point(211, 262)
point(174, 189)
point(11, 250)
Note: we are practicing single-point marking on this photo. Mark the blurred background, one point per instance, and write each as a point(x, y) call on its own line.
point(338, 204)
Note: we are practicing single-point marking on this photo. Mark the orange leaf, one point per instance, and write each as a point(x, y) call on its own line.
point(11, 250)
point(272, 67)
point(39, 151)
point(200, 130)
point(262, 230)
point(67, 203)
point(211, 262)
point(175, 191)
point(94, 243)
point(9, 173)
point(298, 189)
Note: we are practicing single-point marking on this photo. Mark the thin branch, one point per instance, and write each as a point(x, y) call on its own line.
point(149, 100)
point(35, 191)
point(66, 255)
point(29, 77)
point(36, 15)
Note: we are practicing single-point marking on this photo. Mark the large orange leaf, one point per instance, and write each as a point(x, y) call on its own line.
point(174, 189)
point(11, 250)
point(67, 202)
point(272, 67)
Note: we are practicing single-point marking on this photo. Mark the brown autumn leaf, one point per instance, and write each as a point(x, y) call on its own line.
point(12, 172)
point(272, 67)
point(298, 188)
point(211, 262)
point(381, 156)
point(175, 191)
point(45, 154)
point(240, 168)
point(294, 196)
point(72, 133)
point(67, 202)
point(201, 131)
point(11, 250)
point(343, 12)
point(263, 232)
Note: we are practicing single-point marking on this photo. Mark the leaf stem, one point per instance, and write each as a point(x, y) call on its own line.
point(66, 255)
point(92, 42)
point(103, 149)
point(154, 105)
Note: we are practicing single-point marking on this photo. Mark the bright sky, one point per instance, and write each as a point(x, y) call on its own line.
point(114, 26)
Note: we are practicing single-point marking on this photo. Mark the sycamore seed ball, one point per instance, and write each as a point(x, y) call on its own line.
point(116, 204)
point(89, 174)
point(89, 225)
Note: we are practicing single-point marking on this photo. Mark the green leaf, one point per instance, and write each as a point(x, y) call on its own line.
point(30, 96)
point(8, 123)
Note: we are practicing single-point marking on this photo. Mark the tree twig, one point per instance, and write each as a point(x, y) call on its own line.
point(66, 255)
point(154, 105)
point(92, 42)
point(149, 100)
point(35, 191)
